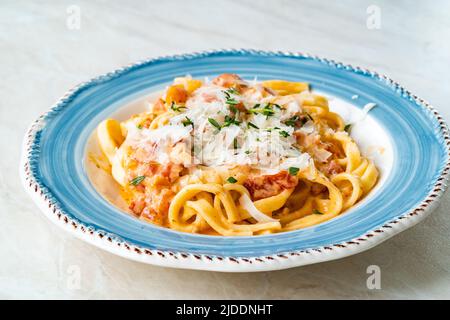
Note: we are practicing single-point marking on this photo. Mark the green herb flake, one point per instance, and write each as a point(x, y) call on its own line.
point(267, 110)
point(214, 123)
point(293, 171)
point(347, 128)
point(251, 125)
point(231, 180)
point(233, 109)
point(176, 107)
point(139, 126)
point(187, 122)
point(232, 91)
point(231, 101)
point(284, 134)
point(137, 180)
point(315, 211)
point(291, 122)
point(229, 121)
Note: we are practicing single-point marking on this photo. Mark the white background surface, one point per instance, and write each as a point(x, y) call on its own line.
point(41, 58)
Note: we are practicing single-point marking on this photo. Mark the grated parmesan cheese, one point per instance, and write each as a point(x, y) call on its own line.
point(270, 147)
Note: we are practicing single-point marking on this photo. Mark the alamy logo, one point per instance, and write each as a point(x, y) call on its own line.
point(73, 277)
point(73, 20)
point(374, 280)
point(374, 17)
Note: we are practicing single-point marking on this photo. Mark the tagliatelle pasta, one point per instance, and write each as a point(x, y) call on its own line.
point(236, 158)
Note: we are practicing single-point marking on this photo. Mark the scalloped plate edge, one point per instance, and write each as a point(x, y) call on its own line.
point(116, 245)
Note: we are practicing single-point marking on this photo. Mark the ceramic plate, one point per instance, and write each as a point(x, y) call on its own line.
point(412, 137)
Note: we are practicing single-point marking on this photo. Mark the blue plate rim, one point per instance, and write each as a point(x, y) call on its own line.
point(114, 244)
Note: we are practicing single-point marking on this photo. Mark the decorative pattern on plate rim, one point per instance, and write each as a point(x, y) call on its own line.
point(115, 244)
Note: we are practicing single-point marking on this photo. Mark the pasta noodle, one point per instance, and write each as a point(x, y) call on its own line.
point(234, 158)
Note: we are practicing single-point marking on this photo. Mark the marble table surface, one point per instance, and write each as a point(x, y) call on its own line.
point(44, 52)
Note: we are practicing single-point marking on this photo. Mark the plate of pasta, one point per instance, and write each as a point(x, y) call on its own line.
point(237, 160)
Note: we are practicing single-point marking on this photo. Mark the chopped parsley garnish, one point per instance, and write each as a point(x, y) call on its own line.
point(231, 180)
point(235, 143)
point(284, 134)
point(228, 99)
point(293, 171)
point(267, 110)
point(347, 128)
point(315, 211)
point(247, 152)
point(231, 101)
point(139, 126)
point(176, 107)
point(137, 180)
point(214, 123)
point(231, 91)
point(251, 125)
point(229, 121)
point(187, 122)
point(292, 121)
